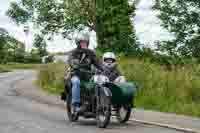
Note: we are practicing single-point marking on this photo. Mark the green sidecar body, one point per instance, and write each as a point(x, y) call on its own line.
point(122, 93)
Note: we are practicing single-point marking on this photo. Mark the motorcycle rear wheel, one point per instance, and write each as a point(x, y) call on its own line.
point(124, 113)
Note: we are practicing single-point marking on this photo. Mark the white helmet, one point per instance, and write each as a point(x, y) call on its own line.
point(109, 59)
point(81, 36)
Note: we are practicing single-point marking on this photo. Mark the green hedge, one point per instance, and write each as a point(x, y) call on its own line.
point(50, 78)
point(3, 69)
point(176, 90)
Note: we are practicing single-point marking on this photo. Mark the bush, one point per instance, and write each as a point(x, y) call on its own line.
point(11, 66)
point(165, 90)
point(50, 78)
point(175, 90)
point(3, 69)
point(168, 61)
point(32, 58)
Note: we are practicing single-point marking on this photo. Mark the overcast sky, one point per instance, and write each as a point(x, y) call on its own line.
point(147, 27)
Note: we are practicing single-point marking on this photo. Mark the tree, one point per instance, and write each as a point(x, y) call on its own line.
point(181, 17)
point(53, 16)
point(40, 44)
point(114, 27)
point(3, 45)
point(11, 50)
point(66, 16)
point(3, 38)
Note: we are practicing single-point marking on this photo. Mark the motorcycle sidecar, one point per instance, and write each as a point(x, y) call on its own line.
point(123, 96)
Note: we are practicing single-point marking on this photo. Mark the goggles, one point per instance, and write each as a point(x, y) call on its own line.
point(109, 60)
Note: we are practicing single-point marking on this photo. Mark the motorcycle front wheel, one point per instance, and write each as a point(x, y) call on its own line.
point(103, 110)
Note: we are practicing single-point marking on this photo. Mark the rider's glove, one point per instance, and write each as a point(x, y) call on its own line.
point(120, 79)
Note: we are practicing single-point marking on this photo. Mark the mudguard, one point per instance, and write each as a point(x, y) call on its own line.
point(107, 91)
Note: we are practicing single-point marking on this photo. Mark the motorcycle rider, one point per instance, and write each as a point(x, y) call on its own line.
point(84, 58)
point(110, 68)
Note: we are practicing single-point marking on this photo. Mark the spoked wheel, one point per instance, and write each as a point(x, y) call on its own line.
point(72, 117)
point(103, 110)
point(124, 113)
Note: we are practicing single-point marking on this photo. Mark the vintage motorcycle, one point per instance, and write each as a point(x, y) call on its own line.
point(101, 99)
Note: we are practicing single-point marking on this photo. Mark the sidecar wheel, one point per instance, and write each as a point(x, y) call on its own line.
point(71, 116)
point(124, 113)
point(103, 110)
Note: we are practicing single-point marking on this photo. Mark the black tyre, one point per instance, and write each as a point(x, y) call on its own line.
point(124, 113)
point(72, 117)
point(103, 110)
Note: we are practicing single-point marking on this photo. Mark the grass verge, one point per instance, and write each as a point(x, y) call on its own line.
point(15, 66)
point(50, 78)
point(177, 90)
point(3, 69)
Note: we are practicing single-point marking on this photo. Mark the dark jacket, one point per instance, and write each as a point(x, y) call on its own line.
point(111, 73)
point(82, 60)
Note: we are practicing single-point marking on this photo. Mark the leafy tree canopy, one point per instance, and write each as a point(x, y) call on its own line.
point(182, 18)
point(109, 18)
point(55, 16)
point(40, 44)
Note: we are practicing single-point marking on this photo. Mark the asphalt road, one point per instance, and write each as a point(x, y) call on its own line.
point(19, 114)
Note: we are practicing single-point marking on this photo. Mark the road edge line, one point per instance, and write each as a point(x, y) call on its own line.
point(166, 126)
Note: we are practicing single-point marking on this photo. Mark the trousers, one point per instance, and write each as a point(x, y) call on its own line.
point(75, 89)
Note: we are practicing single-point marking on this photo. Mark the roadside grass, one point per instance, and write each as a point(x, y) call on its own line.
point(15, 66)
point(3, 69)
point(176, 90)
point(50, 78)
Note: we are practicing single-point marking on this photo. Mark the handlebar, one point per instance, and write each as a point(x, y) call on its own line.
point(85, 71)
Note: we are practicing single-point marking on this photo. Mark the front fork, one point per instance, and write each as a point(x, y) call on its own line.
point(101, 89)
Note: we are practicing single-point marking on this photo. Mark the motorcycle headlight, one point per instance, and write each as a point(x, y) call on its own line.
point(100, 79)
